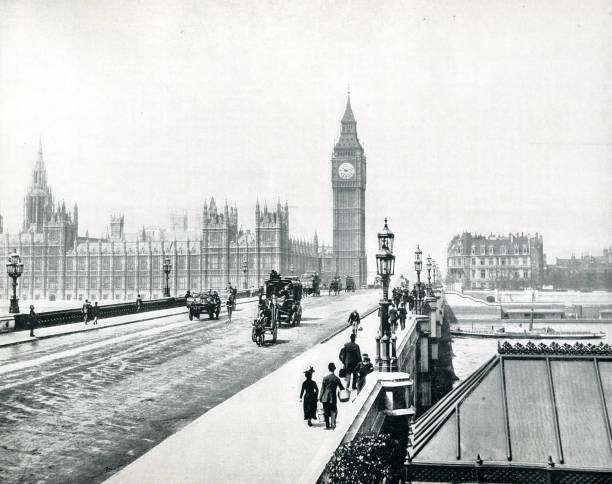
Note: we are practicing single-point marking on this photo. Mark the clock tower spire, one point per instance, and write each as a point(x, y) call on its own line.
point(348, 184)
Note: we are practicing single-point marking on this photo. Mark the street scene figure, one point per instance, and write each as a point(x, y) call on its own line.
point(309, 394)
point(138, 303)
point(354, 320)
point(32, 320)
point(363, 368)
point(230, 307)
point(86, 309)
point(329, 396)
point(402, 314)
point(95, 311)
point(350, 356)
point(393, 317)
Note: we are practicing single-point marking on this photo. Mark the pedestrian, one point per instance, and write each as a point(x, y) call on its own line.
point(229, 307)
point(363, 368)
point(350, 356)
point(138, 303)
point(32, 320)
point(354, 320)
point(86, 311)
point(95, 310)
point(329, 396)
point(393, 317)
point(310, 393)
point(402, 315)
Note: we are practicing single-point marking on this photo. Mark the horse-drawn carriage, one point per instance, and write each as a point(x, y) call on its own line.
point(204, 302)
point(350, 284)
point(279, 303)
point(311, 283)
point(335, 286)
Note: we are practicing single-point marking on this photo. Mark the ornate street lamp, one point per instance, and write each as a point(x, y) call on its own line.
point(245, 268)
point(429, 266)
point(385, 267)
point(435, 272)
point(14, 269)
point(167, 269)
point(418, 266)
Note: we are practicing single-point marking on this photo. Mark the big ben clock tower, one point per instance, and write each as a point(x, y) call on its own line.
point(348, 184)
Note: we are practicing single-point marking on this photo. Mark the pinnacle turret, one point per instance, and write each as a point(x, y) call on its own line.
point(348, 112)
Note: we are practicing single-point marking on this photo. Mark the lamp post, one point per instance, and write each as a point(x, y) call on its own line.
point(435, 270)
point(14, 269)
point(167, 269)
point(245, 268)
point(418, 265)
point(429, 266)
point(385, 267)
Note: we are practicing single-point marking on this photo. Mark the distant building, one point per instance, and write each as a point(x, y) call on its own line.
point(515, 261)
point(587, 272)
point(60, 264)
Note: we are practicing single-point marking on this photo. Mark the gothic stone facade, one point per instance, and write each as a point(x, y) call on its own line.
point(60, 265)
point(495, 262)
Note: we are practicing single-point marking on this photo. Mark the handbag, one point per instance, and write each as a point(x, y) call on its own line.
point(342, 373)
point(344, 395)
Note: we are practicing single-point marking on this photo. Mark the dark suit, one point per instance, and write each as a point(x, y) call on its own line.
point(350, 355)
point(329, 398)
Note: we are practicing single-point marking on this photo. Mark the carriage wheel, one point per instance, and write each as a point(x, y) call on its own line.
point(254, 335)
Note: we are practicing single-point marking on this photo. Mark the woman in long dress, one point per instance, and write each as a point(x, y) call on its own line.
point(309, 393)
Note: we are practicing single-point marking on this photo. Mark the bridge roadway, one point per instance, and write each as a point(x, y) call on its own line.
point(79, 407)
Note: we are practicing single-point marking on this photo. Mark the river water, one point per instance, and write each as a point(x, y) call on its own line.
point(471, 353)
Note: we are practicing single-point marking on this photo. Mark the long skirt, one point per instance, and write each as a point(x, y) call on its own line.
point(310, 407)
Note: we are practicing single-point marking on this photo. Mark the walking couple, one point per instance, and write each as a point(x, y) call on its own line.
point(329, 396)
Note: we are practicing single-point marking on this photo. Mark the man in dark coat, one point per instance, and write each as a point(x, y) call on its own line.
point(329, 396)
point(354, 320)
point(393, 317)
point(32, 320)
point(95, 311)
point(402, 314)
point(350, 356)
point(363, 368)
point(86, 310)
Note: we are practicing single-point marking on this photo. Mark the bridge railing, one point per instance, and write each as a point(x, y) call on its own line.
point(67, 316)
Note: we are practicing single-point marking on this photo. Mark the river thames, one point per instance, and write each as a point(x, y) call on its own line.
point(471, 353)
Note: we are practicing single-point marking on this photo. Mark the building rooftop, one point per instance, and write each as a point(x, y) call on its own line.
point(527, 409)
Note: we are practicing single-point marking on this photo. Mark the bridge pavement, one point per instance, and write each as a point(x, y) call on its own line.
point(259, 435)
point(77, 408)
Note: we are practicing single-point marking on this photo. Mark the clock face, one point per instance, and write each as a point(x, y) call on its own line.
point(346, 170)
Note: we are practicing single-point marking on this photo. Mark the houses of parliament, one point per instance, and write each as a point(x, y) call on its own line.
point(61, 264)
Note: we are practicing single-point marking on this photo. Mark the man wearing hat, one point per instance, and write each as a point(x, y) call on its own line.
point(310, 392)
point(363, 368)
point(350, 356)
point(329, 396)
point(32, 320)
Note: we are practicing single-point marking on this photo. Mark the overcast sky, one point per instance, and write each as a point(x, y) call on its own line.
point(475, 115)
